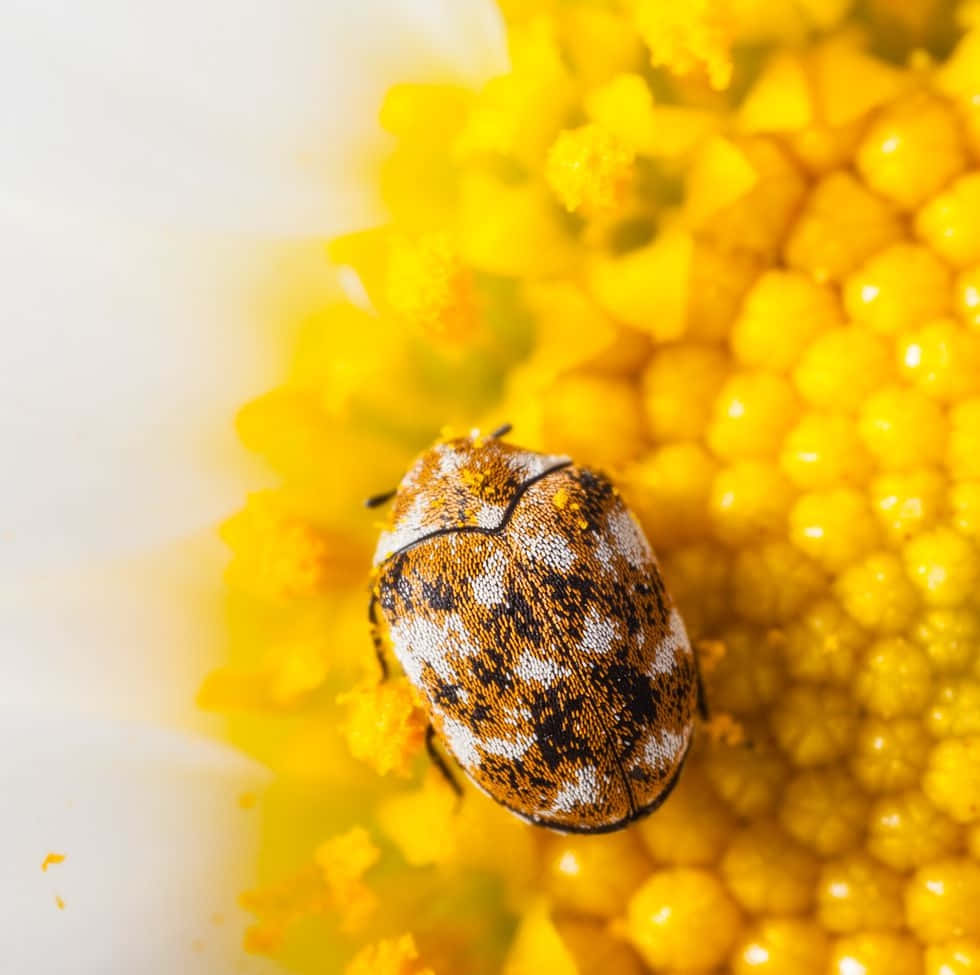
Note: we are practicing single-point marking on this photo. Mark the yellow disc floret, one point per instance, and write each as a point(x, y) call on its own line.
point(906, 830)
point(813, 724)
point(966, 297)
point(941, 900)
point(895, 678)
point(751, 414)
point(768, 872)
point(955, 709)
point(942, 358)
point(842, 225)
point(678, 388)
point(783, 945)
point(908, 502)
point(876, 953)
point(959, 957)
point(963, 451)
point(780, 315)
point(889, 755)
point(878, 594)
point(856, 892)
point(682, 917)
point(947, 222)
point(749, 500)
point(841, 368)
point(912, 150)
point(823, 644)
point(693, 831)
point(823, 450)
point(835, 528)
point(898, 288)
point(903, 428)
point(280, 555)
point(824, 809)
point(595, 875)
point(952, 779)
point(944, 566)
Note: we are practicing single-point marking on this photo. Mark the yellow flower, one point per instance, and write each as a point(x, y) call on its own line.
point(729, 252)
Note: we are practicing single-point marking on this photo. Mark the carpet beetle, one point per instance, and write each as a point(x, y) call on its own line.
point(523, 600)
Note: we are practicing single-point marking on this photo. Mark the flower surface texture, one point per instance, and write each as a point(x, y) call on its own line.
point(728, 252)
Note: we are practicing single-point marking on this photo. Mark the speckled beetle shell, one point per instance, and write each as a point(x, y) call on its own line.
point(523, 600)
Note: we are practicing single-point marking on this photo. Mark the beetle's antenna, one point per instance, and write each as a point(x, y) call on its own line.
point(376, 500)
point(501, 431)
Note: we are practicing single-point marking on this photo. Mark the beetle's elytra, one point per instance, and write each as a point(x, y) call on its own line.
point(524, 601)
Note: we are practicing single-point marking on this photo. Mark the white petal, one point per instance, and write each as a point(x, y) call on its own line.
point(157, 849)
point(129, 640)
point(239, 116)
point(124, 361)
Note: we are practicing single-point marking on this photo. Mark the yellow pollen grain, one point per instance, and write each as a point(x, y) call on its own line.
point(686, 37)
point(385, 726)
point(342, 862)
point(391, 956)
point(52, 858)
point(590, 170)
point(430, 288)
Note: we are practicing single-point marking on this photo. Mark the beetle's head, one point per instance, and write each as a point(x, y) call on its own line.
point(461, 483)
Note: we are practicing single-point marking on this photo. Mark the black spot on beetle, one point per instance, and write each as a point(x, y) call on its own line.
point(446, 694)
point(488, 671)
point(557, 731)
point(641, 699)
point(438, 594)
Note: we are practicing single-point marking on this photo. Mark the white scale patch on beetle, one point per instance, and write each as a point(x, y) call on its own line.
point(539, 670)
point(604, 553)
point(467, 746)
point(552, 550)
point(584, 791)
point(627, 539)
point(662, 748)
point(489, 515)
point(419, 641)
point(450, 460)
point(673, 643)
point(407, 528)
point(598, 634)
point(488, 586)
point(462, 742)
point(505, 748)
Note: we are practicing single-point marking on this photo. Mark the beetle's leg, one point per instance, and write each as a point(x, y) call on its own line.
point(439, 762)
point(376, 636)
point(501, 431)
